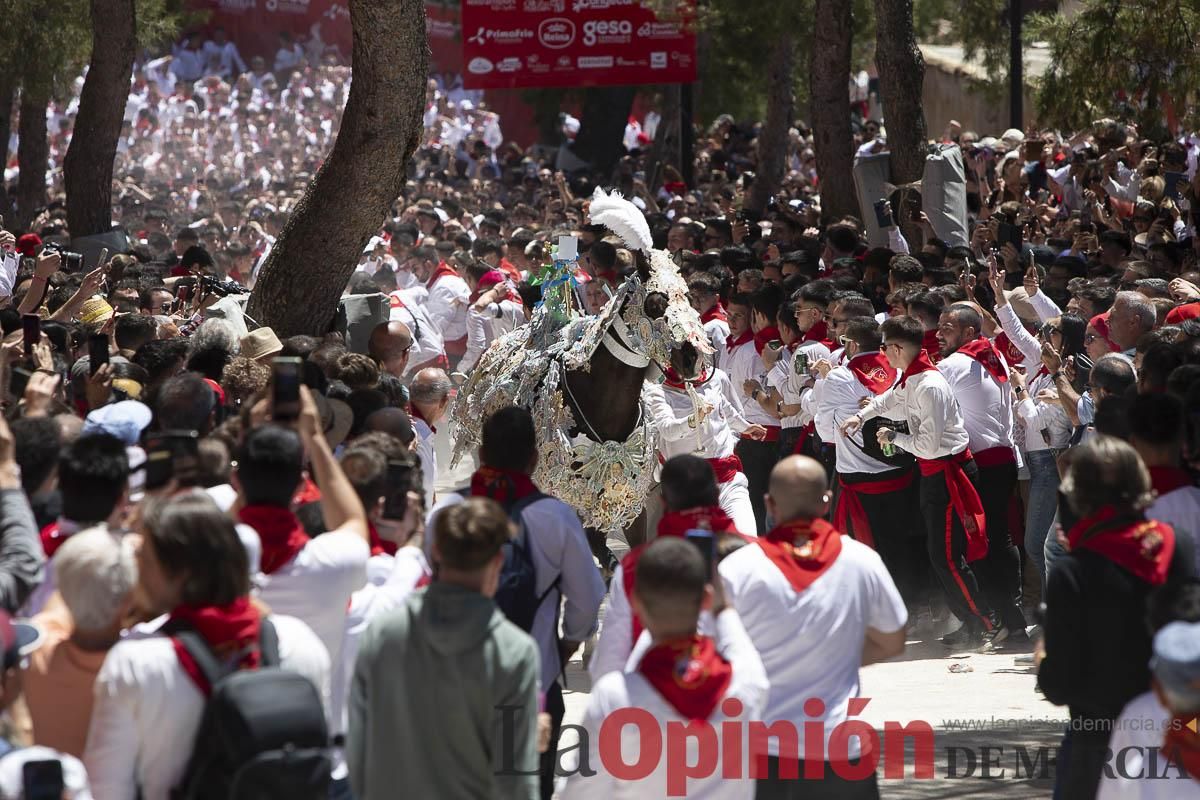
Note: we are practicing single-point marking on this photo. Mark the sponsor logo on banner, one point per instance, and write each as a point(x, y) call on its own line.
point(480, 66)
point(659, 30)
point(544, 6)
point(335, 11)
point(600, 5)
point(288, 6)
point(607, 31)
point(237, 5)
point(564, 61)
point(495, 5)
point(440, 28)
point(658, 60)
point(595, 62)
point(510, 64)
point(515, 36)
point(556, 33)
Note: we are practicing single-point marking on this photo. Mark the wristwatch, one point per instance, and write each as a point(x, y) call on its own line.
point(1019, 389)
point(754, 394)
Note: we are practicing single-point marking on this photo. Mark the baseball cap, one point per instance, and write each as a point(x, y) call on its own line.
point(17, 639)
point(125, 420)
point(1176, 661)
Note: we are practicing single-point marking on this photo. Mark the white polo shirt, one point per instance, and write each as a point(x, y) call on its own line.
point(986, 403)
point(811, 642)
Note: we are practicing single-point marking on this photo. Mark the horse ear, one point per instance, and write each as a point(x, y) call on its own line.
point(643, 265)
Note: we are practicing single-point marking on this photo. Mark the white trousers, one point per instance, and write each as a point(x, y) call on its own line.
point(735, 501)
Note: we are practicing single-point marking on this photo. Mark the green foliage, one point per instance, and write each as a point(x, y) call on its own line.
point(1120, 58)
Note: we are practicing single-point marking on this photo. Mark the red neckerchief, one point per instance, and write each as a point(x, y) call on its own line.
point(1141, 546)
point(395, 301)
point(689, 673)
point(379, 546)
point(930, 345)
point(1012, 353)
point(53, 538)
point(1182, 745)
point(921, 364)
point(675, 382)
point(873, 372)
point(820, 333)
point(505, 486)
point(308, 492)
point(733, 344)
point(717, 312)
point(231, 631)
point(510, 269)
point(1165, 480)
point(678, 523)
point(802, 564)
point(983, 351)
point(280, 531)
point(765, 335)
point(443, 269)
point(416, 412)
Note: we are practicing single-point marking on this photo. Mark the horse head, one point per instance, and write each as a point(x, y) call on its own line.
point(678, 334)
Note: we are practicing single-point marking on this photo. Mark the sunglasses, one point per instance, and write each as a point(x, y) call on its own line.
point(844, 341)
point(883, 348)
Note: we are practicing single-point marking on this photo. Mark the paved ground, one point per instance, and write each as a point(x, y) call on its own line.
point(991, 703)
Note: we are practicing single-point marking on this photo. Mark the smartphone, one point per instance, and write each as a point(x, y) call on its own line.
point(172, 454)
point(1083, 371)
point(97, 351)
point(1172, 181)
point(705, 542)
point(42, 780)
point(286, 375)
point(775, 344)
point(883, 214)
point(183, 293)
point(32, 324)
point(399, 482)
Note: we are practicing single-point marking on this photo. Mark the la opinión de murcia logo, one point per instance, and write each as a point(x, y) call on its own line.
point(556, 33)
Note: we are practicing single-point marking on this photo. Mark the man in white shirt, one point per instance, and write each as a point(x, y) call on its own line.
point(876, 500)
point(311, 579)
point(703, 417)
point(978, 377)
point(430, 402)
point(391, 344)
point(1156, 426)
point(743, 365)
point(818, 606)
point(683, 678)
point(449, 299)
point(950, 506)
point(495, 310)
point(704, 291)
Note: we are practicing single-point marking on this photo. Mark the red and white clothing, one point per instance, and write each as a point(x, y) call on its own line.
point(484, 327)
point(678, 682)
point(1178, 501)
point(978, 378)
point(449, 298)
point(714, 439)
point(808, 619)
point(427, 343)
point(926, 402)
point(790, 376)
point(716, 328)
point(1046, 424)
point(863, 377)
point(741, 362)
point(1142, 728)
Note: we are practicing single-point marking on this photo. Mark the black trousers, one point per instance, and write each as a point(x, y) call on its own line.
point(758, 459)
point(556, 708)
point(829, 787)
point(899, 543)
point(946, 543)
point(1000, 572)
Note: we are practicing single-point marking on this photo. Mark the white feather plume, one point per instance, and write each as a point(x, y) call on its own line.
point(622, 218)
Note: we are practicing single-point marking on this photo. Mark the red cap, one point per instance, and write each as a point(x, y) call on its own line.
point(27, 244)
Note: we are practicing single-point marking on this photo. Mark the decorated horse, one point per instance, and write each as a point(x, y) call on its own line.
point(582, 377)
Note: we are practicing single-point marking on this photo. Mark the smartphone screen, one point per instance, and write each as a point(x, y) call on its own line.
point(32, 324)
point(97, 351)
point(706, 543)
point(43, 780)
point(883, 216)
point(172, 454)
point(287, 373)
point(399, 482)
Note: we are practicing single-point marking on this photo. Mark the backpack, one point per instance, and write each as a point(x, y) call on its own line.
point(516, 594)
point(871, 447)
point(263, 735)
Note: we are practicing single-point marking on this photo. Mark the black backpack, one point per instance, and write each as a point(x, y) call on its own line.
point(516, 595)
point(871, 447)
point(263, 735)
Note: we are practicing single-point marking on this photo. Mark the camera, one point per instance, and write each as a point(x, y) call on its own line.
point(222, 288)
point(71, 262)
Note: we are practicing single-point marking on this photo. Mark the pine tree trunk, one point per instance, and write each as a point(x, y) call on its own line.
point(33, 156)
point(773, 137)
point(88, 166)
point(901, 79)
point(299, 286)
point(829, 71)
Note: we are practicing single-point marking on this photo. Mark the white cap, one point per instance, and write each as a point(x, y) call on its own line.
point(1013, 137)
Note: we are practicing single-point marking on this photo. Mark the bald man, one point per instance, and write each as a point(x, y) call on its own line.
point(817, 605)
point(429, 403)
point(389, 345)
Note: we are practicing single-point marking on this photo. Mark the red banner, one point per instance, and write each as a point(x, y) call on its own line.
point(537, 43)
